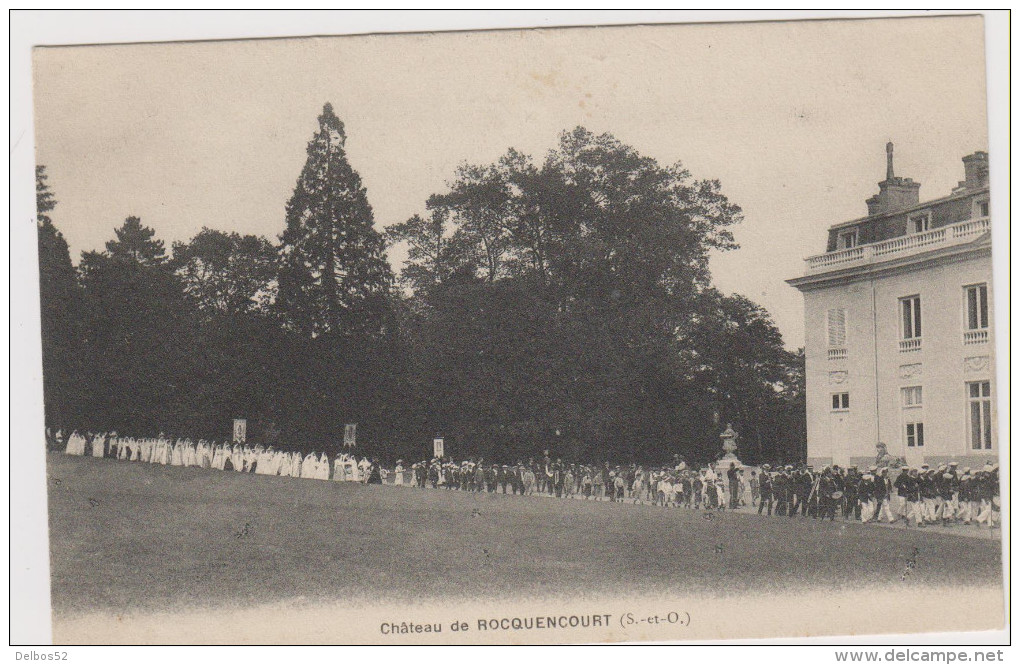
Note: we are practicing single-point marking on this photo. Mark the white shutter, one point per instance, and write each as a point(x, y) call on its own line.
point(837, 327)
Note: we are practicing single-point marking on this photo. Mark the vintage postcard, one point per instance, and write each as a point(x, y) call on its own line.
point(593, 334)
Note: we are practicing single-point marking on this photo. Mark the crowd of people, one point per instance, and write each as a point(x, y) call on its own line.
point(258, 459)
point(921, 496)
point(945, 495)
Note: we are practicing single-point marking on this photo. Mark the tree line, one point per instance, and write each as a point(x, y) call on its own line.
point(562, 305)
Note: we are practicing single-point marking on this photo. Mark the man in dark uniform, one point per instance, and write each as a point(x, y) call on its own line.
point(374, 473)
point(866, 497)
point(779, 487)
point(851, 495)
point(907, 489)
point(950, 496)
point(559, 474)
point(795, 499)
point(765, 490)
point(825, 490)
point(881, 494)
point(807, 483)
point(929, 493)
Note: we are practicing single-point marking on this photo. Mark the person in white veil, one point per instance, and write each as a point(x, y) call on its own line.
point(309, 466)
point(177, 454)
point(80, 446)
point(72, 441)
point(262, 465)
point(188, 454)
point(323, 470)
point(99, 445)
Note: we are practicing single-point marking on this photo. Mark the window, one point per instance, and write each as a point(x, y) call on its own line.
point(919, 223)
point(836, 320)
point(910, 310)
point(911, 396)
point(976, 299)
point(979, 403)
point(915, 435)
point(981, 208)
point(846, 239)
point(841, 401)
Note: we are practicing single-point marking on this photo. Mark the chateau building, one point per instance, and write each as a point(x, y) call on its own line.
point(899, 327)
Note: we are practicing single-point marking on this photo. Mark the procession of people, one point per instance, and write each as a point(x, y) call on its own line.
point(257, 459)
point(945, 495)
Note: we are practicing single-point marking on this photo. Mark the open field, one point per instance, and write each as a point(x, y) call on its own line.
point(129, 536)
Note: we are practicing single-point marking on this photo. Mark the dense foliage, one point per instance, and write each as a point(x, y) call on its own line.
point(564, 305)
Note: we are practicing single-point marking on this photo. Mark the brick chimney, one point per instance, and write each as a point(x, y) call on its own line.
point(975, 170)
point(893, 193)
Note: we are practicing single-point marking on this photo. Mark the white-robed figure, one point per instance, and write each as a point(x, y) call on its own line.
point(157, 452)
point(263, 463)
point(177, 453)
point(294, 470)
point(203, 455)
point(309, 465)
point(279, 458)
point(237, 457)
point(322, 472)
point(165, 450)
point(339, 473)
point(285, 464)
point(350, 467)
point(363, 467)
point(218, 457)
point(398, 473)
point(189, 458)
point(99, 445)
point(75, 444)
point(124, 447)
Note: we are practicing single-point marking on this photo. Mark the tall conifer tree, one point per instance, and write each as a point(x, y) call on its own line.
point(334, 278)
point(60, 309)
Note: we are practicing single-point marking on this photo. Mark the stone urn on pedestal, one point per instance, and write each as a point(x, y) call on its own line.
point(729, 445)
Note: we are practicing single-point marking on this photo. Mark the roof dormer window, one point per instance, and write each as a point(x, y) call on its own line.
point(846, 239)
point(919, 222)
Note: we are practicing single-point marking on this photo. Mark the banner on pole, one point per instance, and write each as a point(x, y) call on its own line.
point(350, 435)
point(240, 430)
point(437, 447)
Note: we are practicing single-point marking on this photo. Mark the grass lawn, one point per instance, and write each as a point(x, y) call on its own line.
point(132, 536)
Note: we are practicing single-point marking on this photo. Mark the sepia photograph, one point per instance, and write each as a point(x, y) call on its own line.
point(543, 335)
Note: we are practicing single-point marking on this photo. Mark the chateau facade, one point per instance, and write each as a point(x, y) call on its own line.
point(899, 325)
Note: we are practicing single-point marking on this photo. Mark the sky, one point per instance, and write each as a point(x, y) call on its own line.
point(791, 117)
